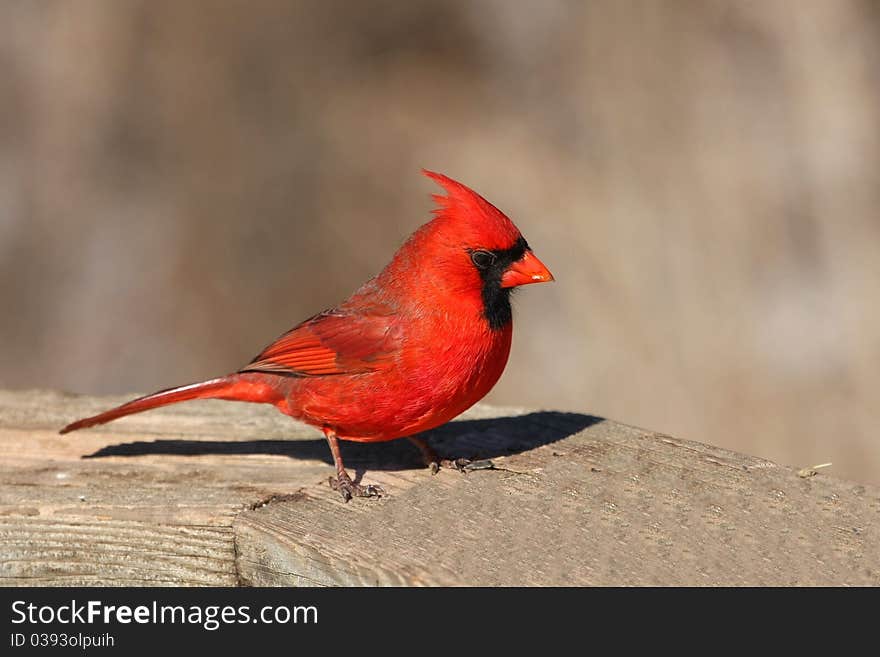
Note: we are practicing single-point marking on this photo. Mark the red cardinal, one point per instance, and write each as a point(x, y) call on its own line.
point(414, 347)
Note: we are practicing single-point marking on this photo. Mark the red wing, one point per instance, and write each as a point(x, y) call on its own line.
point(333, 343)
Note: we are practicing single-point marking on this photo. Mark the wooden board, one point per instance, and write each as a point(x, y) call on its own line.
point(214, 493)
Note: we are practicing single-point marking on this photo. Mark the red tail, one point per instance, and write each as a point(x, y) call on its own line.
point(232, 387)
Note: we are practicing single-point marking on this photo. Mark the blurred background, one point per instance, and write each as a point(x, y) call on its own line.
point(181, 182)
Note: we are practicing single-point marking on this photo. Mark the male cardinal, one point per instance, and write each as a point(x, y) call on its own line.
point(412, 348)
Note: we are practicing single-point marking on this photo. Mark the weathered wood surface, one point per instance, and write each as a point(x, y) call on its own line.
point(213, 493)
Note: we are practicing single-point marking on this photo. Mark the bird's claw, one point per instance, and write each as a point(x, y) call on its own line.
point(462, 465)
point(437, 463)
point(348, 489)
point(456, 464)
point(482, 464)
point(433, 461)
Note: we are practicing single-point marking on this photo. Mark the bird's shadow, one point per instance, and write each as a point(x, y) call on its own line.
point(471, 439)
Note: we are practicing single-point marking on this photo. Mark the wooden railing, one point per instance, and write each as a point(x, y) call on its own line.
point(215, 493)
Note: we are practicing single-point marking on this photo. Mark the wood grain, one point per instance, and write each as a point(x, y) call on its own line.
point(146, 500)
point(213, 493)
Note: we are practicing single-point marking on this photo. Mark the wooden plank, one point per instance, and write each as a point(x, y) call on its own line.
point(608, 505)
point(146, 500)
point(214, 493)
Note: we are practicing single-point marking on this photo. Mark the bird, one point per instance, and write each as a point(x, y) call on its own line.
point(412, 348)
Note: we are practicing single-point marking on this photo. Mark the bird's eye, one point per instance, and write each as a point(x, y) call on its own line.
point(482, 259)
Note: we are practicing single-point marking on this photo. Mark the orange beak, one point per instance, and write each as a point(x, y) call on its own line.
point(527, 269)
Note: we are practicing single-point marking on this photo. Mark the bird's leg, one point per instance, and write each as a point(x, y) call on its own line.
point(433, 461)
point(429, 457)
point(342, 482)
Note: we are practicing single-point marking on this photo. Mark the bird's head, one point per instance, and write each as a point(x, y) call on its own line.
point(474, 250)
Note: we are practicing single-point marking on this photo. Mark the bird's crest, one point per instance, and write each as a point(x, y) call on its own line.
point(471, 214)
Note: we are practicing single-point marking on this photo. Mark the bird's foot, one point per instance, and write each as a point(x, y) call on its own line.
point(348, 489)
point(482, 464)
point(451, 464)
point(433, 461)
point(462, 465)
